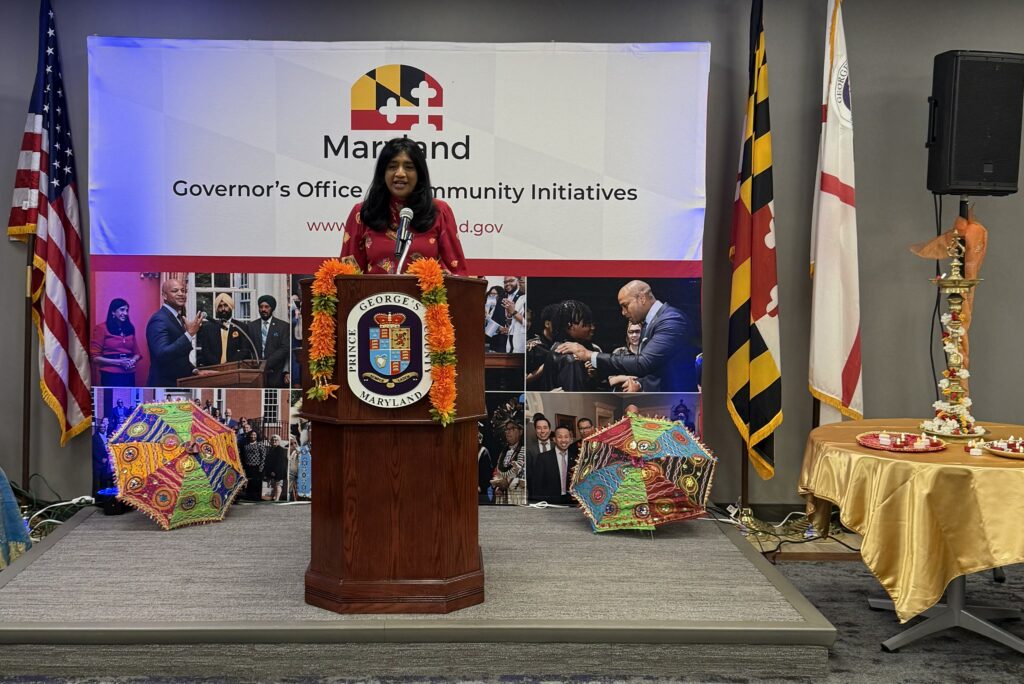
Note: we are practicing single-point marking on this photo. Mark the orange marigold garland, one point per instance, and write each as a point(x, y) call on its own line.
point(440, 334)
point(322, 337)
point(440, 338)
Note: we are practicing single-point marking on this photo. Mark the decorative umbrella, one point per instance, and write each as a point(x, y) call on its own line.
point(176, 463)
point(642, 472)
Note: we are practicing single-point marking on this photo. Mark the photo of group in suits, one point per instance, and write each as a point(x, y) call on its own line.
point(165, 329)
point(557, 423)
point(506, 319)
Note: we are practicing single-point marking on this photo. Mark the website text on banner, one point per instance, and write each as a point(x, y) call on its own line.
point(250, 153)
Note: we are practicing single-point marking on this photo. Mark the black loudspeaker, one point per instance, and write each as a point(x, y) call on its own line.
point(974, 123)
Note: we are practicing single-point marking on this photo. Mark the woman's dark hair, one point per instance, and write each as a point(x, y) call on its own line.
point(376, 210)
point(496, 289)
point(115, 326)
point(569, 312)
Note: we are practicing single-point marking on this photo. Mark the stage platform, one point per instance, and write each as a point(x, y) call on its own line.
point(117, 596)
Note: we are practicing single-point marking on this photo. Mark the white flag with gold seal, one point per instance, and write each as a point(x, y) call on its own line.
point(835, 356)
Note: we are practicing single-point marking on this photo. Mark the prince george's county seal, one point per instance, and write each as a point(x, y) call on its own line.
point(386, 348)
point(841, 103)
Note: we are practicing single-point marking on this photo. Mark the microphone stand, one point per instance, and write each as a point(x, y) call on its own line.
point(401, 253)
point(233, 324)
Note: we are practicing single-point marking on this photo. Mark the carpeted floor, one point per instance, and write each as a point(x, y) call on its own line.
point(559, 599)
point(541, 565)
point(840, 591)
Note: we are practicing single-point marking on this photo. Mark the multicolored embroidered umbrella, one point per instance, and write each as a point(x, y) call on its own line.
point(642, 472)
point(176, 463)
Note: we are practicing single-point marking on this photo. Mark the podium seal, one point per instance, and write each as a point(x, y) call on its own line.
point(387, 356)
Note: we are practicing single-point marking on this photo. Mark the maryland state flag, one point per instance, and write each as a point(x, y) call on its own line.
point(754, 367)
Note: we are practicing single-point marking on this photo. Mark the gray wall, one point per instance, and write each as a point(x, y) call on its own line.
point(891, 46)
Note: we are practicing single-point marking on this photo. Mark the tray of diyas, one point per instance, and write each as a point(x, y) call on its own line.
point(901, 441)
point(1009, 448)
point(978, 432)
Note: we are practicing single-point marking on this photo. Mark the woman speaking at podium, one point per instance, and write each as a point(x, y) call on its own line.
point(400, 181)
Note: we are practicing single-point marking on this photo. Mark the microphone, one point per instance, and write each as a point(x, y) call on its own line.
point(232, 324)
point(403, 240)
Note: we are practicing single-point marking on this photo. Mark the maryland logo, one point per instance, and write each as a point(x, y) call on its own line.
point(397, 97)
point(386, 350)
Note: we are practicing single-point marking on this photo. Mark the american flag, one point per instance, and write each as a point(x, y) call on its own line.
point(45, 205)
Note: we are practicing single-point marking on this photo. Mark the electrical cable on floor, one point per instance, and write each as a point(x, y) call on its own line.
point(52, 490)
point(786, 519)
point(842, 543)
point(41, 523)
point(28, 499)
point(809, 535)
point(787, 531)
point(56, 512)
point(545, 504)
point(778, 546)
point(729, 521)
point(77, 501)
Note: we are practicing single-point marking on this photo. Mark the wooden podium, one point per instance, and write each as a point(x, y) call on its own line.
point(394, 510)
point(245, 373)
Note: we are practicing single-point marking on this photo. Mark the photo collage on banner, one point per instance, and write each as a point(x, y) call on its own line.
point(230, 352)
point(571, 357)
point(501, 459)
point(565, 207)
point(599, 349)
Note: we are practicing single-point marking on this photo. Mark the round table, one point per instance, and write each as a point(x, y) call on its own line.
point(927, 519)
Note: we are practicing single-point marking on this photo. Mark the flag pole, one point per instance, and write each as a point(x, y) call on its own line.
point(26, 396)
point(815, 412)
point(751, 526)
point(744, 482)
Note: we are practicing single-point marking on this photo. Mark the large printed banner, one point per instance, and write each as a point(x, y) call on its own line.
point(221, 171)
point(558, 159)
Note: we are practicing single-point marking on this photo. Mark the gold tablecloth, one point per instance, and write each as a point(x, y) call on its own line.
point(925, 518)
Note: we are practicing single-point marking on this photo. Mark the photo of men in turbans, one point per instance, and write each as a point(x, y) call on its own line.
point(222, 339)
point(193, 329)
point(272, 336)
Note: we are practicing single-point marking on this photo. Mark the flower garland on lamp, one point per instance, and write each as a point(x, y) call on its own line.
point(440, 334)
